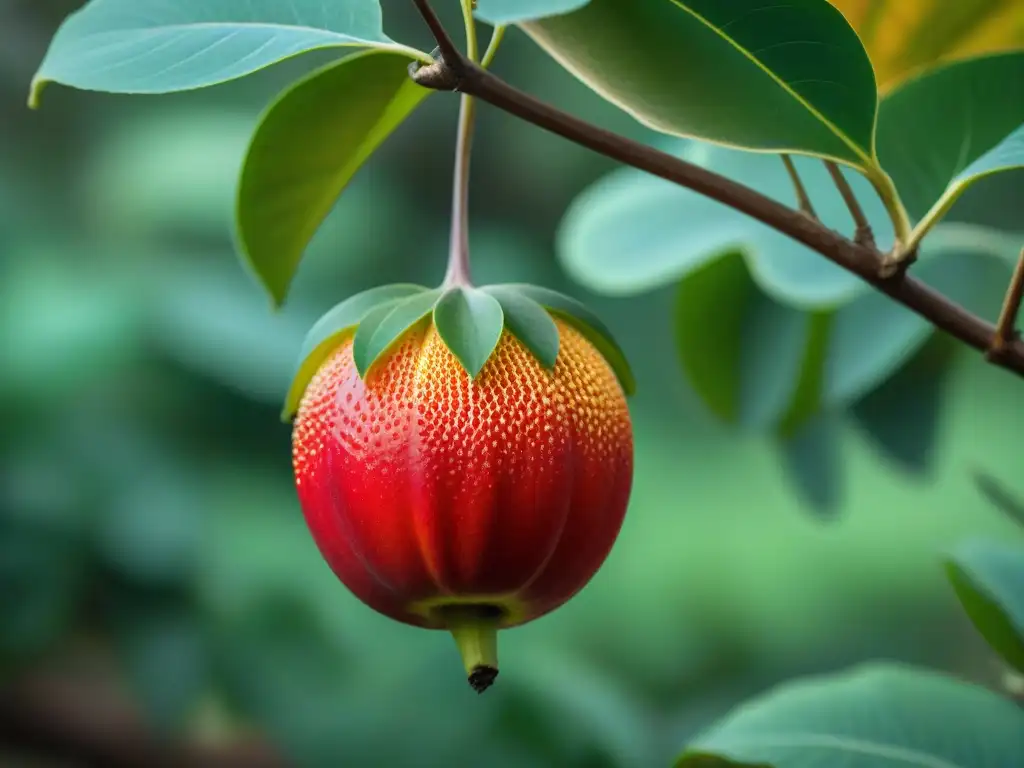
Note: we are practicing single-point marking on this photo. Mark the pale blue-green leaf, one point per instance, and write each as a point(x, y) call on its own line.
point(966, 262)
point(529, 322)
point(873, 716)
point(469, 321)
point(308, 146)
point(514, 11)
point(988, 577)
point(632, 232)
point(131, 46)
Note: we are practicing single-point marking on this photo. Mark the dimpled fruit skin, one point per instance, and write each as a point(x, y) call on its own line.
point(422, 488)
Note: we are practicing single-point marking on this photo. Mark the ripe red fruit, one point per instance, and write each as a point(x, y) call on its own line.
point(459, 504)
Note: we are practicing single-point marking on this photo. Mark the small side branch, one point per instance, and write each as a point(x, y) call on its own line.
point(885, 272)
point(863, 234)
point(1006, 329)
point(802, 198)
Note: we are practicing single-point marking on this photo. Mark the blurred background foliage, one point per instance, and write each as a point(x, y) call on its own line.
point(160, 598)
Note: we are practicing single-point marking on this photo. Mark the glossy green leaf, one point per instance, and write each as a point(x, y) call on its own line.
point(932, 152)
point(796, 74)
point(529, 322)
point(386, 324)
point(331, 329)
point(577, 315)
point(307, 148)
point(988, 578)
point(631, 232)
point(873, 716)
point(514, 11)
point(470, 323)
point(997, 494)
point(125, 46)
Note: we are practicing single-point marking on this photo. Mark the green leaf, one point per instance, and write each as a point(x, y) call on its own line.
point(797, 76)
point(988, 578)
point(813, 461)
point(514, 11)
point(470, 322)
point(308, 146)
point(331, 329)
point(126, 46)
point(386, 324)
point(741, 351)
point(902, 416)
point(999, 496)
point(932, 152)
point(873, 716)
point(529, 322)
point(577, 315)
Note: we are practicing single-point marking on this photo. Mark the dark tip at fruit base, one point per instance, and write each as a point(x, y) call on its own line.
point(482, 678)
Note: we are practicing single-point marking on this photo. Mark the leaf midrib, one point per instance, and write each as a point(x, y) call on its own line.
point(849, 744)
point(865, 158)
point(144, 32)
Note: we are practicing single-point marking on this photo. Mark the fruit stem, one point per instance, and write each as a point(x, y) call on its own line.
point(458, 253)
point(475, 631)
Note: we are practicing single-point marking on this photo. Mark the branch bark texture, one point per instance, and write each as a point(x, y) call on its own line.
point(455, 72)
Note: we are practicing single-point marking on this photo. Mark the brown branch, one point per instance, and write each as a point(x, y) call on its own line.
point(803, 200)
point(1006, 327)
point(864, 261)
point(51, 716)
point(863, 234)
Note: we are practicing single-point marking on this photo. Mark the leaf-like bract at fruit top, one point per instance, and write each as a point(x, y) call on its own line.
point(873, 716)
point(935, 130)
point(529, 322)
point(331, 329)
point(756, 74)
point(381, 328)
point(308, 146)
point(142, 46)
point(470, 323)
point(988, 578)
point(577, 315)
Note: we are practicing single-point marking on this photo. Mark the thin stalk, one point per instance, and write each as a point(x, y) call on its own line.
point(863, 234)
point(458, 272)
point(802, 198)
point(497, 35)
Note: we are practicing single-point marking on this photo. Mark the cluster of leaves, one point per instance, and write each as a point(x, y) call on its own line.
point(877, 714)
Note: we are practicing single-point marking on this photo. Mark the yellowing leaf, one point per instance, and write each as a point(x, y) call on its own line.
point(904, 36)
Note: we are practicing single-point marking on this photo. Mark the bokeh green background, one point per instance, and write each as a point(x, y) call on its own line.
point(153, 558)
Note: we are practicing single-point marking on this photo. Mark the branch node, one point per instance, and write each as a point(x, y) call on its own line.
point(437, 76)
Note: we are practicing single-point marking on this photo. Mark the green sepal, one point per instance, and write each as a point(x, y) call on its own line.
point(529, 322)
point(586, 322)
point(331, 329)
point(380, 329)
point(470, 322)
